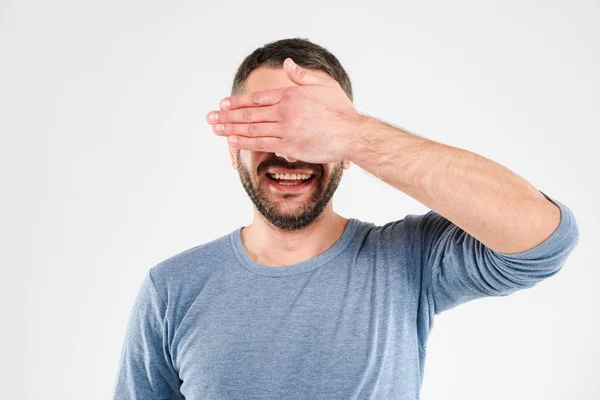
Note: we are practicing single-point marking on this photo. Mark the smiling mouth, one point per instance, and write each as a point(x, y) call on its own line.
point(291, 179)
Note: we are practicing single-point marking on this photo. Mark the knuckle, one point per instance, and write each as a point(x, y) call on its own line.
point(248, 114)
point(260, 143)
point(253, 130)
point(283, 109)
point(293, 94)
point(224, 116)
point(257, 97)
point(288, 93)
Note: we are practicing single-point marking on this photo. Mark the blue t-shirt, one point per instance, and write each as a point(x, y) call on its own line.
point(350, 323)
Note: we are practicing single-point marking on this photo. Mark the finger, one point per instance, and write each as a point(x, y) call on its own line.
point(263, 143)
point(250, 130)
point(244, 115)
point(252, 99)
point(303, 76)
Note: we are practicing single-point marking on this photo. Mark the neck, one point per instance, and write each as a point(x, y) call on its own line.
point(274, 247)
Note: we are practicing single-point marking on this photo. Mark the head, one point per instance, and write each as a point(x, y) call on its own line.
point(263, 70)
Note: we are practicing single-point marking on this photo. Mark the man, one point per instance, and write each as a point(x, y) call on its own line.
point(304, 303)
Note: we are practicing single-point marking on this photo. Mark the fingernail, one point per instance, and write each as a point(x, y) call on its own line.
point(225, 104)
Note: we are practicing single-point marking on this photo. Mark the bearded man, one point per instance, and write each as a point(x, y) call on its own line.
point(304, 303)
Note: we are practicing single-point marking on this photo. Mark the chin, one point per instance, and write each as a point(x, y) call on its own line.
point(290, 210)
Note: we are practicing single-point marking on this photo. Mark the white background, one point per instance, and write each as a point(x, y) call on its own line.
point(108, 167)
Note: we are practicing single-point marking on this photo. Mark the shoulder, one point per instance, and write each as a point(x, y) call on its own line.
point(392, 239)
point(405, 238)
point(403, 228)
point(189, 268)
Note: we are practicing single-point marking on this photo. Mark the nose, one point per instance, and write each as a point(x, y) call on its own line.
point(290, 159)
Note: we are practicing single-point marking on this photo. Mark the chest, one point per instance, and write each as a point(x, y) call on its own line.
point(322, 336)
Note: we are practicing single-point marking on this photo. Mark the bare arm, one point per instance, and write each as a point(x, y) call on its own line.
point(485, 199)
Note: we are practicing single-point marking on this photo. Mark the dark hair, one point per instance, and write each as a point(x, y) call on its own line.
point(304, 53)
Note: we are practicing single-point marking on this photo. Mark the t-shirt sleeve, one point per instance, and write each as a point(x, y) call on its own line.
point(456, 267)
point(145, 368)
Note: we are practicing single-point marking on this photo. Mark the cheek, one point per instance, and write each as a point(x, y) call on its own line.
point(246, 159)
point(245, 156)
point(328, 169)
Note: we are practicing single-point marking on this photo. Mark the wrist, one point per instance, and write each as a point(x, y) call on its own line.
point(370, 141)
point(361, 126)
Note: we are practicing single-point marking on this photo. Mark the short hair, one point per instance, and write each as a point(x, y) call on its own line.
point(304, 53)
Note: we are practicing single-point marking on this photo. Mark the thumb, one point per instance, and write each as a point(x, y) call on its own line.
point(299, 75)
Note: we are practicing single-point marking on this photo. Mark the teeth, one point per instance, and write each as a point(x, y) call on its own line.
point(290, 176)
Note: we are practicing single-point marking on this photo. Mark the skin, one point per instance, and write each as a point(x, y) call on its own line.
point(315, 122)
point(286, 229)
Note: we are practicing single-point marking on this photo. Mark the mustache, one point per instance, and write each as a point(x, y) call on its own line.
point(282, 163)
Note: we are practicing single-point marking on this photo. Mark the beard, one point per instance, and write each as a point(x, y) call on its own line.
point(302, 216)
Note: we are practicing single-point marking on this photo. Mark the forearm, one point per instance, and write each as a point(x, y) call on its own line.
point(485, 199)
